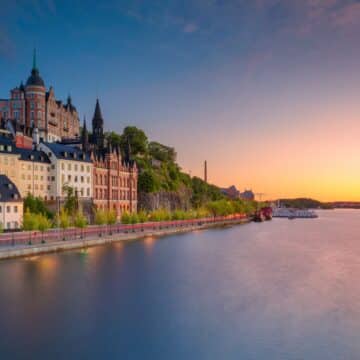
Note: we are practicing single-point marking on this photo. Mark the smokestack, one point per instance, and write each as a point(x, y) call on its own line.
point(205, 171)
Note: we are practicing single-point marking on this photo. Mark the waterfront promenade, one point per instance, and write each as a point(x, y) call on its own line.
point(29, 243)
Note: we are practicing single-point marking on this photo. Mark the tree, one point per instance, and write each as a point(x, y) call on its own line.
point(36, 206)
point(30, 221)
point(147, 182)
point(133, 142)
point(64, 219)
point(80, 220)
point(43, 224)
point(111, 217)
point(100, 217)
point(71, 200)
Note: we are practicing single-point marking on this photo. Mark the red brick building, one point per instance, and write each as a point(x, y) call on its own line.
point(30, 105)
point(114, 180)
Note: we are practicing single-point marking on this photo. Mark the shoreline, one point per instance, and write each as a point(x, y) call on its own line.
point(20, 251)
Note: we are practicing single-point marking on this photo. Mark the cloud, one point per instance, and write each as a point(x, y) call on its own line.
point(348, 16)
point(190, 28)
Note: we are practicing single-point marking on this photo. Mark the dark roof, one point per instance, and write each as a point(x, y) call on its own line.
point(8, 146)
point(35, 79)
point(8, 190)
point(33, 155)
point(68, 152)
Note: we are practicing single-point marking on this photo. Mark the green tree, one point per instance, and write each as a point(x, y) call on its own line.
point(71, 200)
point(100, 217)
point(30, 221)
point(80, 220)
point(36, 206)
point(147, 182)
point(111, 217)
point(133, 142)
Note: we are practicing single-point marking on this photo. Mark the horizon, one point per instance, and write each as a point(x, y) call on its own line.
point(265, 91)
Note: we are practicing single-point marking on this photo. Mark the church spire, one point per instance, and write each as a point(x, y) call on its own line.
point(98, 126)
point(34, 67)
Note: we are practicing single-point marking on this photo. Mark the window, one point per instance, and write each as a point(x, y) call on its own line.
point(62, 166)
point(69, 177)
point(69, 167)
point(88, 192)
point(82, 167)
point(88, 168)
point(15, 209)
point(0, 209)
point(75, 167)
point(53, 178)
point(8, 209)
point(82, 179)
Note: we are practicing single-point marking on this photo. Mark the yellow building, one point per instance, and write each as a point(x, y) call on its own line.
point(30, 170)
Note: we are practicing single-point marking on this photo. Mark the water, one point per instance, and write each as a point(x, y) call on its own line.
point(278, 290)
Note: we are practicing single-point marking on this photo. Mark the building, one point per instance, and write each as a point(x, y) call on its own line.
point(114, 180)
point(232, 192)
point(11, 205)
point(247, 195)
point(72, 167)
point(29, 169)
point(32, 106)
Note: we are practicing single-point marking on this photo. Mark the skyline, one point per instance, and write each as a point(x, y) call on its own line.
point(265, 91)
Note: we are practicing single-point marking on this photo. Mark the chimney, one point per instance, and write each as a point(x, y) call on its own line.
point(36, 138)
point(205, 171)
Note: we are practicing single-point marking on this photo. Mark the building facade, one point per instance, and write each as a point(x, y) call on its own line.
point(11, 205)
point(29, 169)
point(114, 180)
point(72, 167)
point(31, 105)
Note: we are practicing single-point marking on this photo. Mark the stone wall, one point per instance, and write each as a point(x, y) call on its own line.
point(165, 200)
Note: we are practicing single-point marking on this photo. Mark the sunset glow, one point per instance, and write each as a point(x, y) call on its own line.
point(266, 91)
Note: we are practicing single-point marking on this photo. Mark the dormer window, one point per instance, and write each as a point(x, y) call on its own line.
point(10, 186)
point(31, 157)
point(9, 148)
point(65, 154)
point(15, 196)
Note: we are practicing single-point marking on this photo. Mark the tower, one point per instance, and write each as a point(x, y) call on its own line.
point(35, 99)
point(98, 127)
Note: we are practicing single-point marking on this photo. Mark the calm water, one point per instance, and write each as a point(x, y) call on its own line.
point(277, 290)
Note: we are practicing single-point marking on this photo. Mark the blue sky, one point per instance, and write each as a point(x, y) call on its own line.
point(215, 79)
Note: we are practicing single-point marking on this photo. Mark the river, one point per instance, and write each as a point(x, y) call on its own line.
point(276, 290)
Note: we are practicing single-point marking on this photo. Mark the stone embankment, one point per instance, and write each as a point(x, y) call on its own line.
point(29, 244)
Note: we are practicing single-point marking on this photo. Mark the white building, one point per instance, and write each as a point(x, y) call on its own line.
point(11, 205)
point(72, 168)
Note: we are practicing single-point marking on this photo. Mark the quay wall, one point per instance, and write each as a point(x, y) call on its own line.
point(80, 239)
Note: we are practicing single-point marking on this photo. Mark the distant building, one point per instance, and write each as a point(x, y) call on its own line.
point(11, 205)
point(247, 195)
point(31, 106)
point(232, 192)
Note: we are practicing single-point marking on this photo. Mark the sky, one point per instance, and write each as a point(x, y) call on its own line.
point(267, 91)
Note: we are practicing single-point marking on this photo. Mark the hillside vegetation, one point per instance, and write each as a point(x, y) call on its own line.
point(158, 170)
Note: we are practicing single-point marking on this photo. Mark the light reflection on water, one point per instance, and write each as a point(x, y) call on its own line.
point(277, 290)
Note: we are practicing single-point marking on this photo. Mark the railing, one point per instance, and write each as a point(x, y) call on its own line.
point(96, 231)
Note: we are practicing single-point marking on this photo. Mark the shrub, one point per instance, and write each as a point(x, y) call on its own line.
point(126, 218)
point(100, 217)
point(80, 220)
point(111, 217)
point(142, 216)
point(30, 221)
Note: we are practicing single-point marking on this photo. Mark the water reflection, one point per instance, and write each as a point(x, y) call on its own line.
point(278, 290)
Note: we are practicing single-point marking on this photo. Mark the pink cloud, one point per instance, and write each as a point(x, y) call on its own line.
point(347, 16)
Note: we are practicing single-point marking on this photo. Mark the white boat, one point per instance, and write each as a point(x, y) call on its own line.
point(292, 213)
